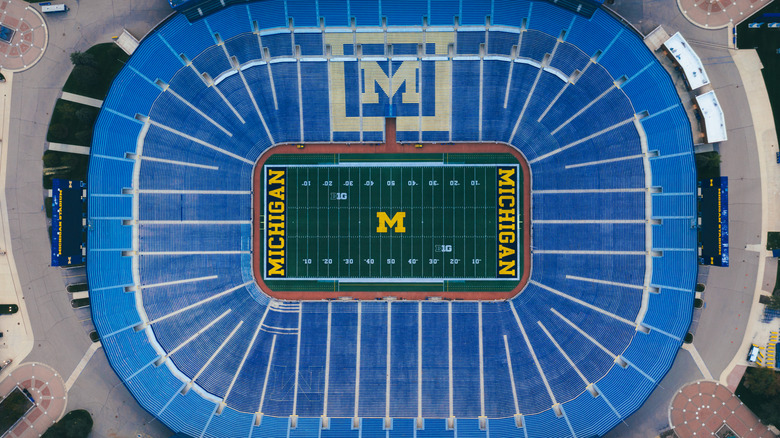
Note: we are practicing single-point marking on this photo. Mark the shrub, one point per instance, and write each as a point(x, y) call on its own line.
point(58, 132)
point(75, 424)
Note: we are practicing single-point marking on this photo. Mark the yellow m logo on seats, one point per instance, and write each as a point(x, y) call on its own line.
point(406, 73)
point(430, 91)
point(397, 222)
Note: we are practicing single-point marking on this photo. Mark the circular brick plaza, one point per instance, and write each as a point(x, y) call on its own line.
point(23, 35)
point(706, 408)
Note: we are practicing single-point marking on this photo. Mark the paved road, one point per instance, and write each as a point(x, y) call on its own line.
point(60, 339)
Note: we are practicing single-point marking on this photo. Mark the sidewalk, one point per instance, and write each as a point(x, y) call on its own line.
point(17, 341)
point(749, 66)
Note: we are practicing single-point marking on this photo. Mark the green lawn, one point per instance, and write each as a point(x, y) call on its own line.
point(766, 407)
point(64, 165)
point(72, 123)
point(109, 59)
point(767, 42)
point(12, 408)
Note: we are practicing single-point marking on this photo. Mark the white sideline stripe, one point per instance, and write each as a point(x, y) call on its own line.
point(357, 360)
point(246, 354)
point(449, 330)
point(194, 222)
point(533, 353)
point(582, 140)
point(584, 304)
point(186, 280)
point(583, 109)
point(204, 301)
point(568, 359)
point(221, 346)
point(419, 359)
point(387, 369)
point(585, 252)
point(481, 365)
point(179, 163)
point(610, 160)
point(511, 375)
point(200, 113)
point(82, 364)
point(157, 253)
point(267, 373)
point(200, 142)
point(297, 365)
point(590, 221)
point(561, 192)
point(327, 363)
point(611, 283)
point(198, 333)
point(582, 332)
point(195, 192)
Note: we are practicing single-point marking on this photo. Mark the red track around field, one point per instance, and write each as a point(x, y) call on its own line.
point(392, 147)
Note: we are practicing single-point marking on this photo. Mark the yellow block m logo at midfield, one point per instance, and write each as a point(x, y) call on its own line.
point(397, 222)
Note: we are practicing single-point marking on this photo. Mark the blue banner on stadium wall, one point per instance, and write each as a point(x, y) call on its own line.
point(66, 218)
point(714, 222)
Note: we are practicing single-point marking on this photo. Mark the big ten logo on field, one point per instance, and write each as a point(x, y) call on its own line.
point(507, 221)
point(417, 88)
point(275, 215)
point(396, 222)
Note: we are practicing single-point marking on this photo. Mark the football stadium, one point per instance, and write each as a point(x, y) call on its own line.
point(203, 346)
point(400, 219)
point(397, 219)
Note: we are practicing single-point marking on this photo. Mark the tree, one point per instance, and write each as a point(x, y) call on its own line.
point(82, 58)
point(85, 75)
point(763, 381)
point(774, 302)
point(708, 165)
point(75, 424)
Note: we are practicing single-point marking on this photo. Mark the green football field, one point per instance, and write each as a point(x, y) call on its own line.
point(380, 219)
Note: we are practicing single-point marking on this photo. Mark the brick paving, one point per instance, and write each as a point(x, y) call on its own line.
point(47, 389)
point(714, 14)
point(30, 35)
point(701, 408)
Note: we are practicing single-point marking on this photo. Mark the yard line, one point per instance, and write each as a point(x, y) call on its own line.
point(308, 224)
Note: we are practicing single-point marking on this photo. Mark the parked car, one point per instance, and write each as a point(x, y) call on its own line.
point(5, 364)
